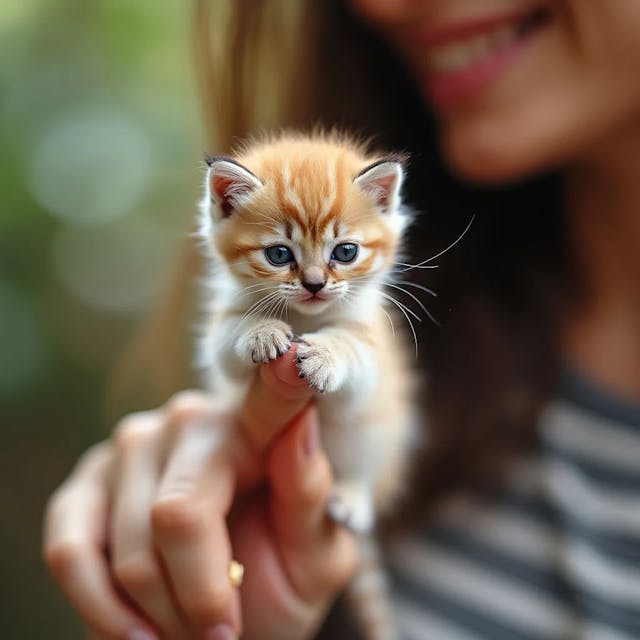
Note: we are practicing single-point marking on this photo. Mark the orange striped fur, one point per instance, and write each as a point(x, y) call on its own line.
point(311, 195)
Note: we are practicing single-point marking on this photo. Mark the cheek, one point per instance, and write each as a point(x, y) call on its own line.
point(384, 12)
point(369, 262)
point(575, 88)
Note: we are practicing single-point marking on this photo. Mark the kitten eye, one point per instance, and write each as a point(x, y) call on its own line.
point(345, 252)
point(279, 255)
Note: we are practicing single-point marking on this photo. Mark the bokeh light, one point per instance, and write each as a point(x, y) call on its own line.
point(90, 166)
point(100, 151)
point(116, 268)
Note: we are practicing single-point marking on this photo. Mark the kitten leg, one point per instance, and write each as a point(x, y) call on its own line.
point(330, 358)
point(341, 359)
point(351, 505)
point(263, 340)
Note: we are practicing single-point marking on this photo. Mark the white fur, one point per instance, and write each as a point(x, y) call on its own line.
point(331, 357)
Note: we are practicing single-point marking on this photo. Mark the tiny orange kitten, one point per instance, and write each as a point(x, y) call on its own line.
point(302, 232)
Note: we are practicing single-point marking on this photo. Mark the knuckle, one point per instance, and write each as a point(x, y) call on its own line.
point(208, 605)
point(189, 409)
point(137, 573)
point(313, 495)
point(317, 486)
point(133, 430)
point(96, 451)
point(61, 557)
point(185, 405)
point(55, 504)
point(178, 517)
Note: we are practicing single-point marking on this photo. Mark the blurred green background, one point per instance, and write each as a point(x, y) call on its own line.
point(100, 153)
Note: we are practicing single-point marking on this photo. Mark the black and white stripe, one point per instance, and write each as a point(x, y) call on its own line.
point(555, 556)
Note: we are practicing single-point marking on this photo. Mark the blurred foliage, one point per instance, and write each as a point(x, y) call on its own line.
point(99, 171)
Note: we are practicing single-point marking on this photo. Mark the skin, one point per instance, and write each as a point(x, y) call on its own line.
point(167, 573)
point(574, 104)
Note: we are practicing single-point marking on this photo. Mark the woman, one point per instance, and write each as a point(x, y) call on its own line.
point(534, 470)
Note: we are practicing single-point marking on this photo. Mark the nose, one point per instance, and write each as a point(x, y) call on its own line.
point(314, 287)
point(313, 279)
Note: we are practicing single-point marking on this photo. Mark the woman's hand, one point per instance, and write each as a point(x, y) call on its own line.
point(141, 534)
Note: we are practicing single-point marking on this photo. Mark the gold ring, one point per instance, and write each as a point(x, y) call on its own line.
point(236, 573)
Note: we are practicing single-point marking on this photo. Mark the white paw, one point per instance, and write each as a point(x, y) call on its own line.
point(321, 367)
point(352, 507)
point(264, 342)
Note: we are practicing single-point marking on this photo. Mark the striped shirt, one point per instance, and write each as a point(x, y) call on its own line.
point(555, 556)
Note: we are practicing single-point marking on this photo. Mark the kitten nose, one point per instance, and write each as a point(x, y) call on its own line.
point(312, 286)
point(313, 279)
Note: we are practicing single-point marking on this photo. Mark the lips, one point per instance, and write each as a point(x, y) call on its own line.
point(460, 59)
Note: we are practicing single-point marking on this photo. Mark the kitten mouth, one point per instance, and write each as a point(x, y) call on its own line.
point(314, 299)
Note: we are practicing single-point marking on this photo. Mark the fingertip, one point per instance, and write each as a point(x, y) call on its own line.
point(275, 398)
point(283, 371)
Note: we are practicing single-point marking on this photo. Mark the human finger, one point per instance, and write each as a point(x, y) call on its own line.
point(320, 556)
point(189, 525)
point(74, 549)
point(134, 561)
point(276, 396)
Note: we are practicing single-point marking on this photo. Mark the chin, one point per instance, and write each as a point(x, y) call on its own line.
point(496, 152)
point(311, 308)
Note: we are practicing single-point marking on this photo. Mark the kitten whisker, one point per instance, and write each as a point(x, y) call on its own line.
point(420, 265)
point(420, 303)
point(257, 308)
point(401, 304)
point(415, 266)
point(393, 329)
point(419, 286)
point(272, 307)
point(411, 295)
point(404, 313)
point(255, 288)
point(255, 291)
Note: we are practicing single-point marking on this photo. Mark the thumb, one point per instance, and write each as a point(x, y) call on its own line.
point(300, 478)
point(320, 555)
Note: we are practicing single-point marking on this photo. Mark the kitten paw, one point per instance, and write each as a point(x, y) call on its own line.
point(352, 507)
point(265, 342)
point(318, 364)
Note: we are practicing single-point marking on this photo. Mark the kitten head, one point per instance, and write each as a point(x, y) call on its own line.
point(315, 219)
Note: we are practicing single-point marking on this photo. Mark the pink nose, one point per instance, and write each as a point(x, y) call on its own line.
point(313, 279)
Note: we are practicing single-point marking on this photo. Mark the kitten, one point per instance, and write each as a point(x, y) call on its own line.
point(303, 231)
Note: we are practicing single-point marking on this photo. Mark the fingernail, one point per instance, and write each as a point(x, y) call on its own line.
point(311, 437)
point(141, 634)
point(220, 632)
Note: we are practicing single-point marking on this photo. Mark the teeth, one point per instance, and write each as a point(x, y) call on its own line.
point(504, 36)
point(453, 57)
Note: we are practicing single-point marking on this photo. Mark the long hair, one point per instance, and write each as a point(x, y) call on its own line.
point(491, 365)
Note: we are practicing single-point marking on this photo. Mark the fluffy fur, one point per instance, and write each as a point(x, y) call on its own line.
point(311, 200)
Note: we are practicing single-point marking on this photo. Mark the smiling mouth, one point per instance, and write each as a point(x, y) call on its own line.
point(461, 58)
point(469, 43)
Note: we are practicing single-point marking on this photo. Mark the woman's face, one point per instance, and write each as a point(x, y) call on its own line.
point(519, 85)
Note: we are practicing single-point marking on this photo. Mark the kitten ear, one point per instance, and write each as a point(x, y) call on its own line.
point(382, 181)
point(228, 181)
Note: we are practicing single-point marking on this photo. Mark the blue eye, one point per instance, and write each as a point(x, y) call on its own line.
point(345, 252)
point(279, 255)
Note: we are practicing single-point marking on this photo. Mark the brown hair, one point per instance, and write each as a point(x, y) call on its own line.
point(492, 364)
